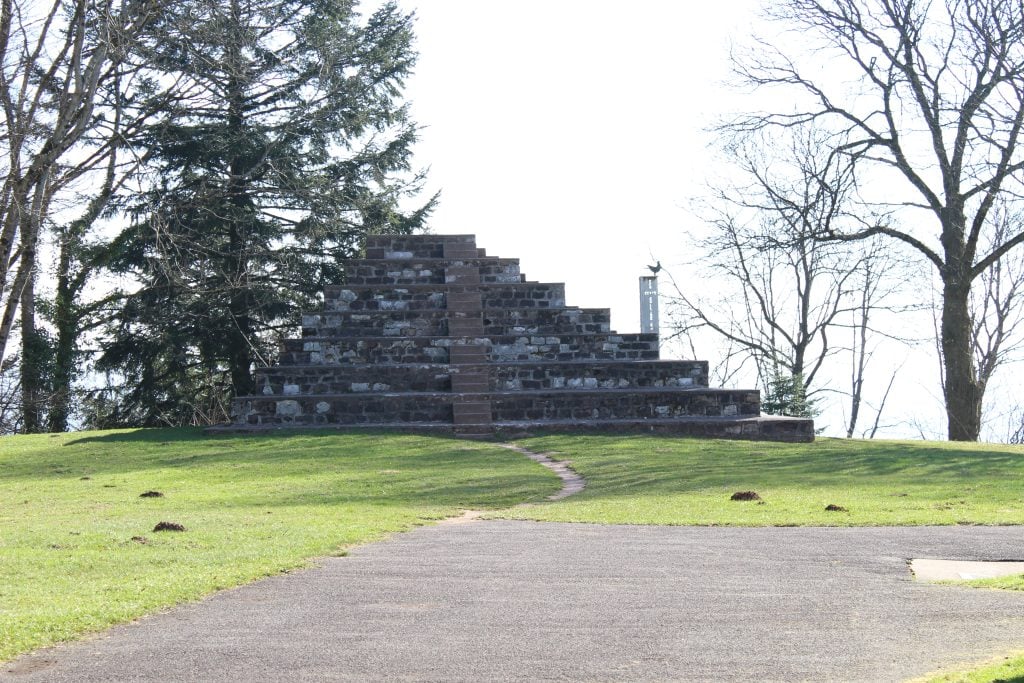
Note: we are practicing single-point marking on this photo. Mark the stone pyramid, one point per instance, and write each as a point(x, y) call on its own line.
point(430, 333)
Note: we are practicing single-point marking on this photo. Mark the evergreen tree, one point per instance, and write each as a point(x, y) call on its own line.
point(786, 395)
point(290, 144)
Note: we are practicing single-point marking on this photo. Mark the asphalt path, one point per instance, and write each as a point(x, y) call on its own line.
point(510, 600)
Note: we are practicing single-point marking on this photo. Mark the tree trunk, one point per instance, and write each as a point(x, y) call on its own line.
point(240, 335)
point(962, 391)
point(33, 354)
point(66, 322)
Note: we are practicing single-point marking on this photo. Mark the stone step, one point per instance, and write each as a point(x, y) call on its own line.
point(348, 409)
point(480, 408)
point(383, 273)
point(287, 380)
point(628, 403)
point(471, 412)
point(607, 375)
point(468, 354)
point(501, 349)
point(439, 322)
point(761, 428)
point(418, 246)
point(416, 297)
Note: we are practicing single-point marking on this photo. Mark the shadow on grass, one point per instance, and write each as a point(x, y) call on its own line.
point(180, 434)
point(616, 466)
point(619, 465)
point(290, 451)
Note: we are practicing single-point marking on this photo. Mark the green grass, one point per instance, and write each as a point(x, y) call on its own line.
point(658, 480)
point(1008, 669)
point(252, 505)
point(259, 505)
point(1007, 583)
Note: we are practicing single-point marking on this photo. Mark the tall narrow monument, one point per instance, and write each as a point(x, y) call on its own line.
point(430, 333)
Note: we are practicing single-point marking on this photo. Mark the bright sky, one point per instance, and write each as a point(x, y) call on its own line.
point(570, 133)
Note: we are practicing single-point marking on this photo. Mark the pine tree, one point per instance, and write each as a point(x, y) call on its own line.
point(786, 395)
point(291, 145)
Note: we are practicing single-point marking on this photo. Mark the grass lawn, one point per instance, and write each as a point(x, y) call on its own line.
point(78, 551)
point(1008, 669)
point(252, 506)
point(659, 480)
point(1009, 583)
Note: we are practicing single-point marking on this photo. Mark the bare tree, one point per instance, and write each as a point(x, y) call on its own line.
point(878, 283)
point(933, 93)
point(997, 301)
point(787, 293)
point(54, 60)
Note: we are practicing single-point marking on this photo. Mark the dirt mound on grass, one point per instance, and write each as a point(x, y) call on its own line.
point(745, 495)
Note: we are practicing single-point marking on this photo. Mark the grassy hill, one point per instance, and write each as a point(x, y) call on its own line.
point(660, 480)
point(78, 549)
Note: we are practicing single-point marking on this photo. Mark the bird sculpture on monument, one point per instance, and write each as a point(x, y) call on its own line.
point(655, 268)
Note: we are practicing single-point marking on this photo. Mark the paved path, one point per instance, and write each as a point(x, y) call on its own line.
point(509, 600)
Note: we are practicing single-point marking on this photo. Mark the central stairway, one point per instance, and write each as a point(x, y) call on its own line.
point(430, 333)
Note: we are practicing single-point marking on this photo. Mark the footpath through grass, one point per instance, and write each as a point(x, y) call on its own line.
point(659, 480)
point(77, 547)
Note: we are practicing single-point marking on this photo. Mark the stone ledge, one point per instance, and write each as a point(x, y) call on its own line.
point(763, 428)
point(776, 429)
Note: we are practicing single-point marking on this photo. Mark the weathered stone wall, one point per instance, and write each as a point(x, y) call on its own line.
point(421, 323)
point(418, 297)
point(434, 322)
point(597, 347)
point(369, 409)
point(288, 380)
point(423, 271)
point(385, 298)
point(637, 374)
point(401, 247)
point(623, 404)
point(501, 322)
point(382, 408)
point(503, 349)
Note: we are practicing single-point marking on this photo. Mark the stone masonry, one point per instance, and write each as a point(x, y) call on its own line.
point(430, 333)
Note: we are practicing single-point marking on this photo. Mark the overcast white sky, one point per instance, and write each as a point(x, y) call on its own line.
point(572, 134)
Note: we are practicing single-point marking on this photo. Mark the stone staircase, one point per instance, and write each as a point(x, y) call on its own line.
point(430, 333)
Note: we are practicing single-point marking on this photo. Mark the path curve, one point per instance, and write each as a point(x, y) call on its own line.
point(572, 481)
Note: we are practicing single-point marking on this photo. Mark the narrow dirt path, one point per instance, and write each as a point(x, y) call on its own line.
point(572, 482)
